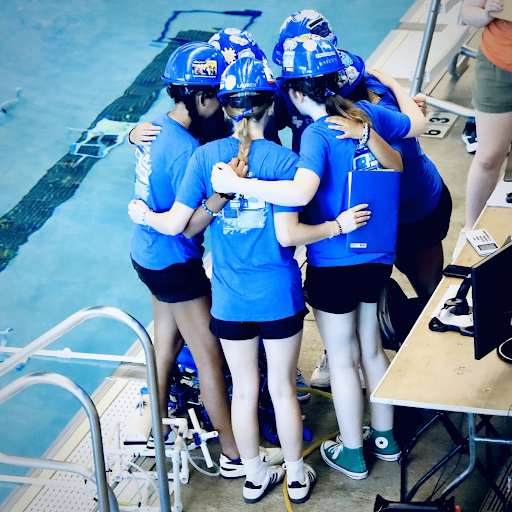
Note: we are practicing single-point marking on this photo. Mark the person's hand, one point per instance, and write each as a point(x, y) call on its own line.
point(144, 134)
point(492, 5)
point(420, 100)
point(239, 166)
point(354, 218)
point(352, 129)
point(136, 208)
point(225, 177)
point(383, 77)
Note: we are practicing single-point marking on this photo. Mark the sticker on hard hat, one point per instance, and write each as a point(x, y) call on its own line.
point(229, 55)
point(230, 82)
point(324, 55)
point(206, 68)
point(288, 60)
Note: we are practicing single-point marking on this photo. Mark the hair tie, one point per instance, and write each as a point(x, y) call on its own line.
point(245, 114)
point(328, 92)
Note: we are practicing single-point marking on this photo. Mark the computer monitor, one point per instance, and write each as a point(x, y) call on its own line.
point(491, 280)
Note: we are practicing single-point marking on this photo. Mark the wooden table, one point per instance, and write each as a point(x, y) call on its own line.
point(438, 371)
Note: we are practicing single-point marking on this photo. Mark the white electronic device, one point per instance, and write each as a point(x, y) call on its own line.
point(482, 241)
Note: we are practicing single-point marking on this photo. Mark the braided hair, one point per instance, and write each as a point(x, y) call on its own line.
point(242, 107)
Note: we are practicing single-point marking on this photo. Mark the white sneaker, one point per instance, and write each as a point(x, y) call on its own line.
point(271, 456)
point(299, 493)
point(321, 376)
point(235, 469)
point(253, 493)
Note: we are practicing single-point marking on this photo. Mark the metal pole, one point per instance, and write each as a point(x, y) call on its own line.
point(425, 47)
point(472, 456)
point(56, 465)
point(94, 421)
point(121, 316)
point(448, 106)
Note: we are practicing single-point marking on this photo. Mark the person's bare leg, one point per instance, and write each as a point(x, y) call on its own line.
point(494, 136)
point(168, 344)
point(282, 359)
point(193, 319)
point(242, 358)
point(339, 335)
point(374, 362)
point(508, 168)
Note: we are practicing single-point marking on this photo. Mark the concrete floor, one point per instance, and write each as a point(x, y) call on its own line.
point(334, 491)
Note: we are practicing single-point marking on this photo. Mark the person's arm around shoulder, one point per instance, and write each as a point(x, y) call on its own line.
point(143, 134)
point(171, 222)
point(387, 156)
point(211, 207)
point(476, 13)
point(291, 232)
point(407, 105)
point(296, 192)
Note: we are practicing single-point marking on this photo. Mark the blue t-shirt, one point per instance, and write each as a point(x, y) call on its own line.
point(159, 169)
point(331, 159)
point(254, 278)
point(421, 183)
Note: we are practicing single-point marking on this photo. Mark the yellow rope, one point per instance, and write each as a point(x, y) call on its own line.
point(311, 449)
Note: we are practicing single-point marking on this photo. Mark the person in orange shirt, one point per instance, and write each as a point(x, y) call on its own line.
point(492, 99)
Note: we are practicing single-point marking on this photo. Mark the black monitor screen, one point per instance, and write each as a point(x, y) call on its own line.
point(491, 279)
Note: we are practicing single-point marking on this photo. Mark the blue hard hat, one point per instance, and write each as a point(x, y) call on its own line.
point(351, 72)
point(196, 63)
point(247, 74)
point(308, 56)
point(234, 43)
point(302, 22)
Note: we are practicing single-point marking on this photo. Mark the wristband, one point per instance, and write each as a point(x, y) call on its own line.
point(207, 210)
point(366, 135)
point(339, 227)
point(129, 141)
point(332, 229)
point(144, 216)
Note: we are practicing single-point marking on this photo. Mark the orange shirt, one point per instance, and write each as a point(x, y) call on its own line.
point(496, 43)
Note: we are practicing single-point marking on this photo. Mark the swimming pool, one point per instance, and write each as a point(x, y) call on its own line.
point(71, 61)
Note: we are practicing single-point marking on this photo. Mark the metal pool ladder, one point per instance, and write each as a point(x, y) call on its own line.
point(106, 498)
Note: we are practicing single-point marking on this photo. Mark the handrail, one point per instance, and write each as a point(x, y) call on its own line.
point(104, 497)
point(116, 314)
point(425, 47)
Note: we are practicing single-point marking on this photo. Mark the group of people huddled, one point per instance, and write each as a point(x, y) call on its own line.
point(215, 160)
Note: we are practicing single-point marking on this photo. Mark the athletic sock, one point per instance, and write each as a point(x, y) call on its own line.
point(295, 471)
point(254, 470)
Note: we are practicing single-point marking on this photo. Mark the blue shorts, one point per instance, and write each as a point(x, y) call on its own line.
point(274, 330)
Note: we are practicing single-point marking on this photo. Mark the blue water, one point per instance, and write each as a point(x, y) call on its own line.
point(72, 59)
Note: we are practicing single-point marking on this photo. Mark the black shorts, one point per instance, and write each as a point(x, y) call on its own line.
point(340, 289)
point(177, 283)
point(273, 330)
point(414, 237)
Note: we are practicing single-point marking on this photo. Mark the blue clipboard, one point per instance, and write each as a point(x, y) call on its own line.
point(380, 189)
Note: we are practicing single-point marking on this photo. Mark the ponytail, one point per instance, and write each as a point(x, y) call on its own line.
point(239, 106)
point(324, 90)
point(338, 106)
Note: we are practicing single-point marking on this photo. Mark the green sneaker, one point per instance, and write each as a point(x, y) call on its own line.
point(348, 461)
point(383, 445)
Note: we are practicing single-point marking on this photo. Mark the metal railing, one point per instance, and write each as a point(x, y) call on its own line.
point(125, 318)
point(422, 63)
point(106, 498)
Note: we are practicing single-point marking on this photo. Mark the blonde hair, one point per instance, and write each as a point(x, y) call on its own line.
point(243, 131)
